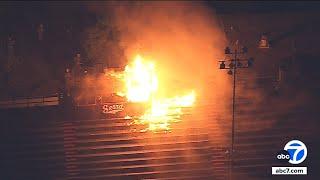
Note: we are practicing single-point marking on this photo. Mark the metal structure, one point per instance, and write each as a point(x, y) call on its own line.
point(81, 144)
point(235, 61)
point(53, 100)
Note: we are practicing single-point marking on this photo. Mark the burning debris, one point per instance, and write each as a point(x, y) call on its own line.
point(166, 63)
point(141, 85)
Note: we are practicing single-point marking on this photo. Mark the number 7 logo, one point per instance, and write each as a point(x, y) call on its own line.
point(297, 150)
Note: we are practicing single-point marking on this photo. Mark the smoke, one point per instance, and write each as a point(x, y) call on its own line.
point(184, 40)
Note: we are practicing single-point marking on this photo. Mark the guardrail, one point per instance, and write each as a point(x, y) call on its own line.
point(30, 102)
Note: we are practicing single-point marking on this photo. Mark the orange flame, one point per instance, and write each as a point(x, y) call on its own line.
point(141, 80)
point(142, 85)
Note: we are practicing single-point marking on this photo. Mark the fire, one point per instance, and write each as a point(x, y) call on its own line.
point(142, 85)
point(163, 112)
point(141, 80)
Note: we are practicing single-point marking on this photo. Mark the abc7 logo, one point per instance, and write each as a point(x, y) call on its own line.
point(295, 152)
point(283, 156)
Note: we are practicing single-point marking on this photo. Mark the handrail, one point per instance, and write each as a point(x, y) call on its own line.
point(30, 102)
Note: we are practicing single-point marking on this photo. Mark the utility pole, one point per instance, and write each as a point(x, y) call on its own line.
point(235, 62)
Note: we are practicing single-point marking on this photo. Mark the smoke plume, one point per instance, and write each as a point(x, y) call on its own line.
point(184, 40)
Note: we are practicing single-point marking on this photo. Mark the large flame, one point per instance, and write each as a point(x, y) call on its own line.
point(142, 85)
point(141, 80)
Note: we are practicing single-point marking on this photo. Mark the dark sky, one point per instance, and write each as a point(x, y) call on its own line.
point(15, 14)
point(264, 6)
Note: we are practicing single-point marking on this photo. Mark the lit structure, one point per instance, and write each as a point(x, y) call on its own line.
point(264, 42)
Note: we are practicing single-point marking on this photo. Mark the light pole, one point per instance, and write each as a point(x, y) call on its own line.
point(235, 62)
